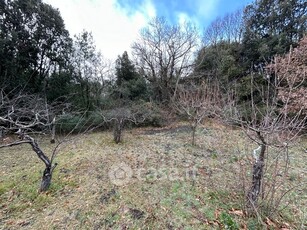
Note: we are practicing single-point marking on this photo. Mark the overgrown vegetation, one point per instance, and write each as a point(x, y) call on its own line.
point(250, 70)
point(82, 195)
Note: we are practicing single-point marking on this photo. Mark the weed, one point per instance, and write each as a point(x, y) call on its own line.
point(6, 186)
point(110, 220)
point(228, 221)
point(214, 155)
point(233, 159)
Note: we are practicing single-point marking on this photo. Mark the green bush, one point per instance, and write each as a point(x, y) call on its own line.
point(77, 123)
point(152, 114)
point(228, 221)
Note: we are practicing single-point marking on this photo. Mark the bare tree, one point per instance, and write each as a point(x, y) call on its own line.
point(22, 115)
point(28, 116)
point(164, 54)
point(120, 117)
point(292, 72)
point(90, 69)
point(197, 103)
point(228, 28)
point(214, 32)
point(235, 26)
point(269, 119)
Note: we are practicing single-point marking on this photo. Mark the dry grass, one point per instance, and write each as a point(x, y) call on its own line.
point(82, 196)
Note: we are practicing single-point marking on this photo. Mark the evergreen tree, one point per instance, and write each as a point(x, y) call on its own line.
point(129, 84)
point(125, 70)
point(88, 70)
point(33, 44)
point(271, 27)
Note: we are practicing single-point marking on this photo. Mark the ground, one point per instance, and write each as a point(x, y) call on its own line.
point(155, 179)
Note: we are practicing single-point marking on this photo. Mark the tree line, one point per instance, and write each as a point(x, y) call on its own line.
point(38, 56)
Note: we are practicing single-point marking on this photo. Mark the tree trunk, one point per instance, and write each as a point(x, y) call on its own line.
point(254, 191)
point(193, 134)
point(47, 175)
point(46, 179)
point(118, 126)
point(165, 94)
point(52, 141)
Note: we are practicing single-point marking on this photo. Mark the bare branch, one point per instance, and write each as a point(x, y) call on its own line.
point(15, 143)
point(197, 102)
point(164, 53)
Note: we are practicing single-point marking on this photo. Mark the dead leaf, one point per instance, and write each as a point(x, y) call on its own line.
point(270, 223)
point(285, 225)
point(217, 213)
point(243, 226)
point(237, 212)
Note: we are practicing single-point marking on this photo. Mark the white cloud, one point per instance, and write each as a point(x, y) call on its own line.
point(207, 9)
point(200, 14)
point(183, 18)
point(112, 28)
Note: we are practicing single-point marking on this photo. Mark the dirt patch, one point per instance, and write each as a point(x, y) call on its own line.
point(136, 214)
point(105, 198)
point(169, 130)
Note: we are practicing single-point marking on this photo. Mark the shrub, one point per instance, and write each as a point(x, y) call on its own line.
point(152, 113)
point(76, 123)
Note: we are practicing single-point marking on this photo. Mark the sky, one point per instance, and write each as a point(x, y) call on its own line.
point(115, 24)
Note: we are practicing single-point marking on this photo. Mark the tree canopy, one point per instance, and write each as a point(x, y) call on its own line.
point(33, 44)
point(164, 53)
point(38, 56)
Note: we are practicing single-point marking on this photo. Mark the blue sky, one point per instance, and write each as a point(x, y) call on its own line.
point(201, 12)
point(115, 23)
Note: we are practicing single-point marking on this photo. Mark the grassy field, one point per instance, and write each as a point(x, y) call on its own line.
point(155, 179)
